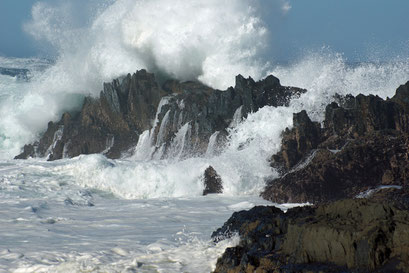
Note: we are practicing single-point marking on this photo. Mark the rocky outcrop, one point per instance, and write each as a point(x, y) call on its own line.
point(109, 125)
point(364, 144)
point(173, 120)
point(298, 142)
point(357, 235)
point(193, 118)
point(364, 163)
point(212, 181)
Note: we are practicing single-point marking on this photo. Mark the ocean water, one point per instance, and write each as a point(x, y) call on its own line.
point(93, 214)
point(49, 223)
point(137, 214)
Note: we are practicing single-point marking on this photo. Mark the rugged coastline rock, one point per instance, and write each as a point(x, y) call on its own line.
point(106, 125)
point(352, 235)
point(360, 152)
point(172, 120)
point(363, 144)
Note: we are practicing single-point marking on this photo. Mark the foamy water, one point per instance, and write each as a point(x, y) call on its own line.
point(94, 214)
point(50, 223)
point(138, 213)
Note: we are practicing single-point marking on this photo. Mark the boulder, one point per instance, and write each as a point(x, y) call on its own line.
point(212, 182)
point(352, 235)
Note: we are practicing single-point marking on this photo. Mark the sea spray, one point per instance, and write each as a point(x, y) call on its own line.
point(208, 41)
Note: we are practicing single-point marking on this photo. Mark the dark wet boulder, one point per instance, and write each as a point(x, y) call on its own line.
point(212, 181)
point(239, 221)
point(358, 235)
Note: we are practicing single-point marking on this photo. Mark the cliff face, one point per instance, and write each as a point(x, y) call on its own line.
point(174, 120)
point(364, 144)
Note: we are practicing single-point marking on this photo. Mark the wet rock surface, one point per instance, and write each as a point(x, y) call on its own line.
point(180, 117)
point(212, 181)
point(364, 163)
point(352, 235)
point(364, 144)
point(109, 124)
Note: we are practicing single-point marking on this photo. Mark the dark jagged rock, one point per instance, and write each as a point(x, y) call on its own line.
point(357, 235)
point(297, 142)
point(205, 111)
point(236, 223)
point(212, 182)
point(365, 163)
point(364, 144)
point(181, 118)
point(365, 115)
point(110, 124)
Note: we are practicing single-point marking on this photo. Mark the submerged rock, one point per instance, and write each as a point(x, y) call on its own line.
point(175, 120)
point(357, 235)
point(212, 181)
point(364, 144)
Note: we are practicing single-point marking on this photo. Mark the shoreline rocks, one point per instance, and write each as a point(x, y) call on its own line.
point(351, 235)
point(176, 119)
point(356, 170)
point(363, 144)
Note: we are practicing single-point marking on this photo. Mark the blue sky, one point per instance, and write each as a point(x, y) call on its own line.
point(13, 41)
point(360, 29)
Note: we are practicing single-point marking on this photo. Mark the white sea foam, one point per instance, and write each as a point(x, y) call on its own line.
point(91, 213)
point(211, 41)
point(324, 73)
point(50, 224)
point(207, 40)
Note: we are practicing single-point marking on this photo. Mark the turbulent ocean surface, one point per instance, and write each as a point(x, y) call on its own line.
point(92, 214)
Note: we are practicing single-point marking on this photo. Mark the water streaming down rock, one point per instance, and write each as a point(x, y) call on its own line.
point(361, 152)
point(212, 147)
point(176, 120)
